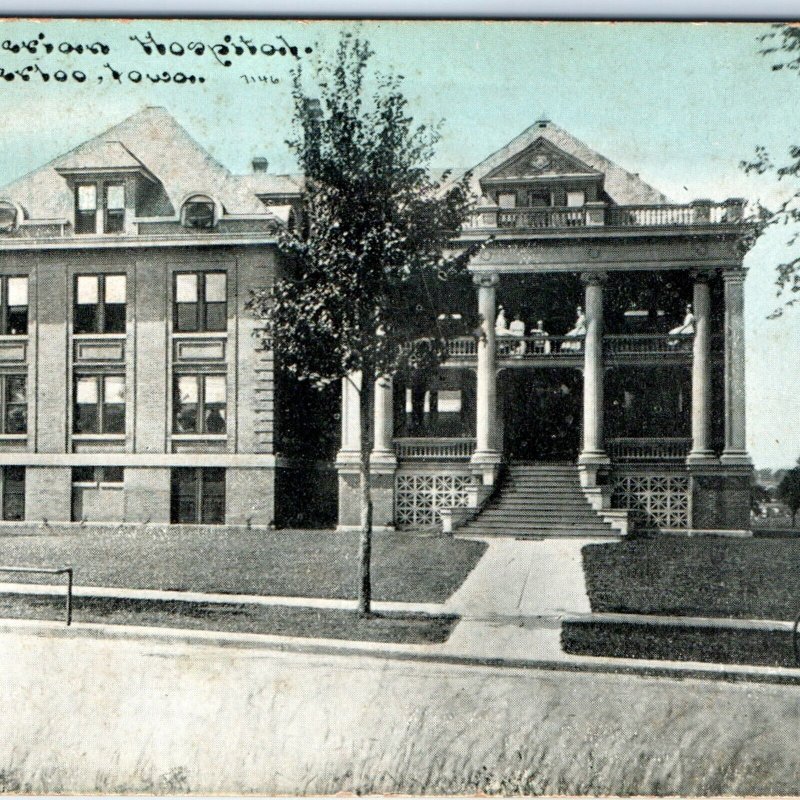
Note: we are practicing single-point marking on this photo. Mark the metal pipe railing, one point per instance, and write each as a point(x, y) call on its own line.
point(49, 571)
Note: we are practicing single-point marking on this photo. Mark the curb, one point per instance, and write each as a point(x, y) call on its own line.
point(433, 654)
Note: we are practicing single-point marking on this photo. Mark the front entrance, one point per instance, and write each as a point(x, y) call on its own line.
point(541, 412)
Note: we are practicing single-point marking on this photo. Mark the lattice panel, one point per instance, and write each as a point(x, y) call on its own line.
point(655, 501)
point(418, 498)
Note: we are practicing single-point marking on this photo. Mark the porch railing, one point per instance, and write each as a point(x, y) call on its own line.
point(647, 344)
point(648, 449)
point(700, 212)
point(433, 449)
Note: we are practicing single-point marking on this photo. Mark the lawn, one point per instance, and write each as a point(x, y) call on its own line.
point(406, 567)
point(756, 578)
point(238, 617)
point(678, 643)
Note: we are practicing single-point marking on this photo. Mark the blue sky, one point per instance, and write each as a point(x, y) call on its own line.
point(680, 103)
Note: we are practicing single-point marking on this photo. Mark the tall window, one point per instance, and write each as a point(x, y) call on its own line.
point(114, 208)
point(86, 208)
point(15, 305)
point(199, 404)
point(201, 301)
point(198, 495)
point(14, 493)
point(100, 303)
point(13, 404)
point(99, 404)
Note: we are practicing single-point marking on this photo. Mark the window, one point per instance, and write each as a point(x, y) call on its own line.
point(114, 208)
point(14, 404)
point(14, 493)
point(198, 495)
point(86, 208)
point(539, 198)
point(576, 199)
point(100, 304)
point(199, 211)
point(199, 404)
point(99, 404)
point(201, 302)
point(96, 475)
point(507, 199)
point(9, 216)
point(15, 306)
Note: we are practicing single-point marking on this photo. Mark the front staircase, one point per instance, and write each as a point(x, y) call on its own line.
point(539, 500)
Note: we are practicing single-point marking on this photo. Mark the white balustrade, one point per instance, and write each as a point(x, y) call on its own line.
point(648, 448)
point(433, 449)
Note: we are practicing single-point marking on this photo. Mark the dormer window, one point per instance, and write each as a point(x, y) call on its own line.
point(86, 208)
point(9, 216)
point(115, 208)
point(199, 211)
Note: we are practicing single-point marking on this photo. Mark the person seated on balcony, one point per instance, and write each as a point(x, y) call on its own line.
point(686, 328)
point(578, 332)
point(542, 339)
point(500, 324)
point(517, 328)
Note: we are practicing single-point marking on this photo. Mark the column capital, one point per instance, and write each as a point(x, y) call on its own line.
point(703, 274)
point(594, 278)
point(734, 276)
point(486, 280)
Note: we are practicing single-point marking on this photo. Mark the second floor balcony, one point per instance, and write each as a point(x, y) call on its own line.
point(698, 213)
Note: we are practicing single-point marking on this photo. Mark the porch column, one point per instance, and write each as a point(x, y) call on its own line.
point(735, 430)
point(593, 447)
point(351, 427)
point(486, 452)
point(701, 372)
point(383, 448)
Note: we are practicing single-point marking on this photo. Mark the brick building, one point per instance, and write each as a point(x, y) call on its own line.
point(132, 386)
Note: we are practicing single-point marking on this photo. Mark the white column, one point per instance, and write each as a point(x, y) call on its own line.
point(593, 448)
point(701, 372)
point(351, 428)
point(735, 429)
point(486, 452)
point(383, 448)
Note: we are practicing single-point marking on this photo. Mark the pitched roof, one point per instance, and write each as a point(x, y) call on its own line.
point(623, 187)
point(151, 138)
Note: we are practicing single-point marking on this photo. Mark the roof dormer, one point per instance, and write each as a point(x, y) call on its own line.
point(106, 182)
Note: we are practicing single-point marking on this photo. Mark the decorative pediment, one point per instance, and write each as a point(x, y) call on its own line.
point(541, 159)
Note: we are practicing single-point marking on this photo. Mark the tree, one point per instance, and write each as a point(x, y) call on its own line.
point(788, 491)
point(371, 258)
point(782, 45)
point(759, 497)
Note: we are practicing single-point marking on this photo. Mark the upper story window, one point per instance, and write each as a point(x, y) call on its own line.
point(114, 208)
point(199, 211)
point(86, 208)
point(14, 311)
point(100, 303)
point(507, 199)
point(539, 197)
point(9, 216)
point(199, 404)
point(201, 301)
point(14, 399)
point(576, 198)
point(99, 404)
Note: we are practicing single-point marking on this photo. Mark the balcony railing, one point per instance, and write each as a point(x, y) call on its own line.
point(646, 344)
point(698, 213)
point(431, 449)
point(632, 449)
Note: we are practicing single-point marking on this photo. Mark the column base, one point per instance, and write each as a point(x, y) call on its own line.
point(736, 458)
point(383, 461)
point(594, 457)
point(486, 463)
point(593, 468)
point(701, 458)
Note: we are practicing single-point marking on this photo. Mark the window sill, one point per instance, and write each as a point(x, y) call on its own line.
point(13, 437)
point(98, 437)
point(99, 336)
point(13, 337)
point(199, 335)
point(199, 437)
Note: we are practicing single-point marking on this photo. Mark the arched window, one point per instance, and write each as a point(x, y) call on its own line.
point(10, 216)
point(200, 211)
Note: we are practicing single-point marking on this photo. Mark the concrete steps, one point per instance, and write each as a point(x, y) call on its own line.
point(540, 500)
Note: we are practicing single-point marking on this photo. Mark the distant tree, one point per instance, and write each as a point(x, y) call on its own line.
point(782, 45)
point(759, 496)
point(788, 491)
point(371, 259)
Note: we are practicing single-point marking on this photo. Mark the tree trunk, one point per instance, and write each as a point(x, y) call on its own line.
point(366, 414)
